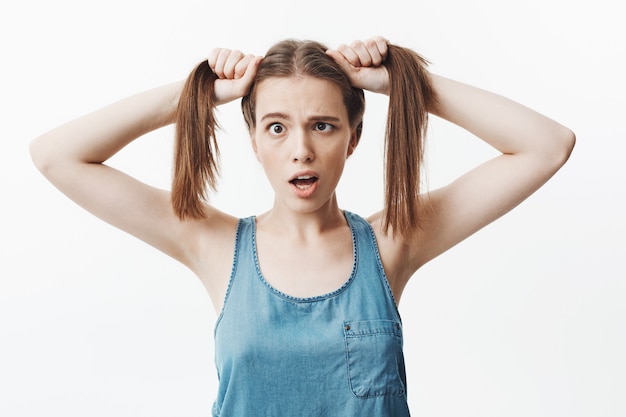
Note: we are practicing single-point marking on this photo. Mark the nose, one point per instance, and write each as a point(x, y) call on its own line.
point(302, 147)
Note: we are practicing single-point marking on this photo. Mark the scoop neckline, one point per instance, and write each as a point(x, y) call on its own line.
point(313, 298)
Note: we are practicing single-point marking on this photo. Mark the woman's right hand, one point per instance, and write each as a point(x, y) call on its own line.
point(235, 72)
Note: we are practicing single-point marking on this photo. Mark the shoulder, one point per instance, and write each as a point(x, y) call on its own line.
point(210, 240)
point(209, 249)
point(395, 254)
point(402, 257)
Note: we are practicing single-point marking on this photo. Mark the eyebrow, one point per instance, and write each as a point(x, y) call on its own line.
point(279, 115)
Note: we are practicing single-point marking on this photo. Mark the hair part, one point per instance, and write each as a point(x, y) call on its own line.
point(294, 58)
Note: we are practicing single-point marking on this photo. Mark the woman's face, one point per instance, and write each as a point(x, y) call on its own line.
point(302, 139)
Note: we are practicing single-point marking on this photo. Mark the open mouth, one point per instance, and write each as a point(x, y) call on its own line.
point(304, 181)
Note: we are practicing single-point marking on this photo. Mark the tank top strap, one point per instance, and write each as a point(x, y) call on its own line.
point(368, 261)
point(243, 246)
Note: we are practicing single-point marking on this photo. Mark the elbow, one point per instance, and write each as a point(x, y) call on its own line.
point(43, 155)
point(558, 146)
point(38, 155)
point(565, 140)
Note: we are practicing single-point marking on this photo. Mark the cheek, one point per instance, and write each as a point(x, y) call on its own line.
point(267, 157)
point(337, 159)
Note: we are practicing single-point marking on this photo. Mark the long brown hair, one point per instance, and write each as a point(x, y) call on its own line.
point(410, 97)
point(196, 156)
point(196, 153)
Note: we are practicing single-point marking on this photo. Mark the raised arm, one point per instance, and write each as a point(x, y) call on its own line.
point(73, 158)
point(532, 146)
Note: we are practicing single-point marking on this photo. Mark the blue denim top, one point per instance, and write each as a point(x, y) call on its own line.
point(338, 354)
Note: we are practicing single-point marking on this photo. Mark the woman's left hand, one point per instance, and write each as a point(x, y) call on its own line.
point(362, 61)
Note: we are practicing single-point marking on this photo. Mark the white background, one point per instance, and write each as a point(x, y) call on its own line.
point(526, 318)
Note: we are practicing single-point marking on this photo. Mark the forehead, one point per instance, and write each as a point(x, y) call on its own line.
point(293, 95)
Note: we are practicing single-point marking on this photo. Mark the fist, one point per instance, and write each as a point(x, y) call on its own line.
point(235, 72)
point(362, 61)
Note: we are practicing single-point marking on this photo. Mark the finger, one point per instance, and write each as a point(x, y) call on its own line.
point(365, 59)
point(219, 57)
point(241, 86)
point(341, 60)
point(250, 71)
point(212, 60)
point(349, 54)
point(382, 44)
point(231, 62)
point(377, 49)
point(242, 66)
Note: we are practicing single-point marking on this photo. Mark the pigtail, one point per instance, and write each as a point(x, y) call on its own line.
point(196, 153)
point(410, 97)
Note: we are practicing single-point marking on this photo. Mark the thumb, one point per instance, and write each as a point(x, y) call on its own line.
point(243, 84)
point(341, 60)
point(251, 69)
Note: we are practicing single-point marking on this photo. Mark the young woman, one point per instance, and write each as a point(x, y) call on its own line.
point(306, 293)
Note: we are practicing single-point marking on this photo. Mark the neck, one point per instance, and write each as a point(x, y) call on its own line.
point(284, 220)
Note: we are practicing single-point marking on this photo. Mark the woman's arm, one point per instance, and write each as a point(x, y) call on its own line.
point(73, 158)
point(532, 146)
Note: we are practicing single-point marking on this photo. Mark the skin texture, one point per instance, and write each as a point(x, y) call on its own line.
point(304, 236)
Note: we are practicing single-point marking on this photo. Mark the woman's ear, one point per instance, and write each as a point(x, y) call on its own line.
point(354, 140)
point(255, 148)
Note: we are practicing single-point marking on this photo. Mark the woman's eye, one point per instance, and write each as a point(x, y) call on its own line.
point(276, 128)
point(323, 127)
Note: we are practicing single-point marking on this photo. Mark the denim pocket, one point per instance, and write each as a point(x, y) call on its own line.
point(374, 357)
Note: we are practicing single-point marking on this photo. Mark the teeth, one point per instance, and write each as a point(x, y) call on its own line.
point(304, 177)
